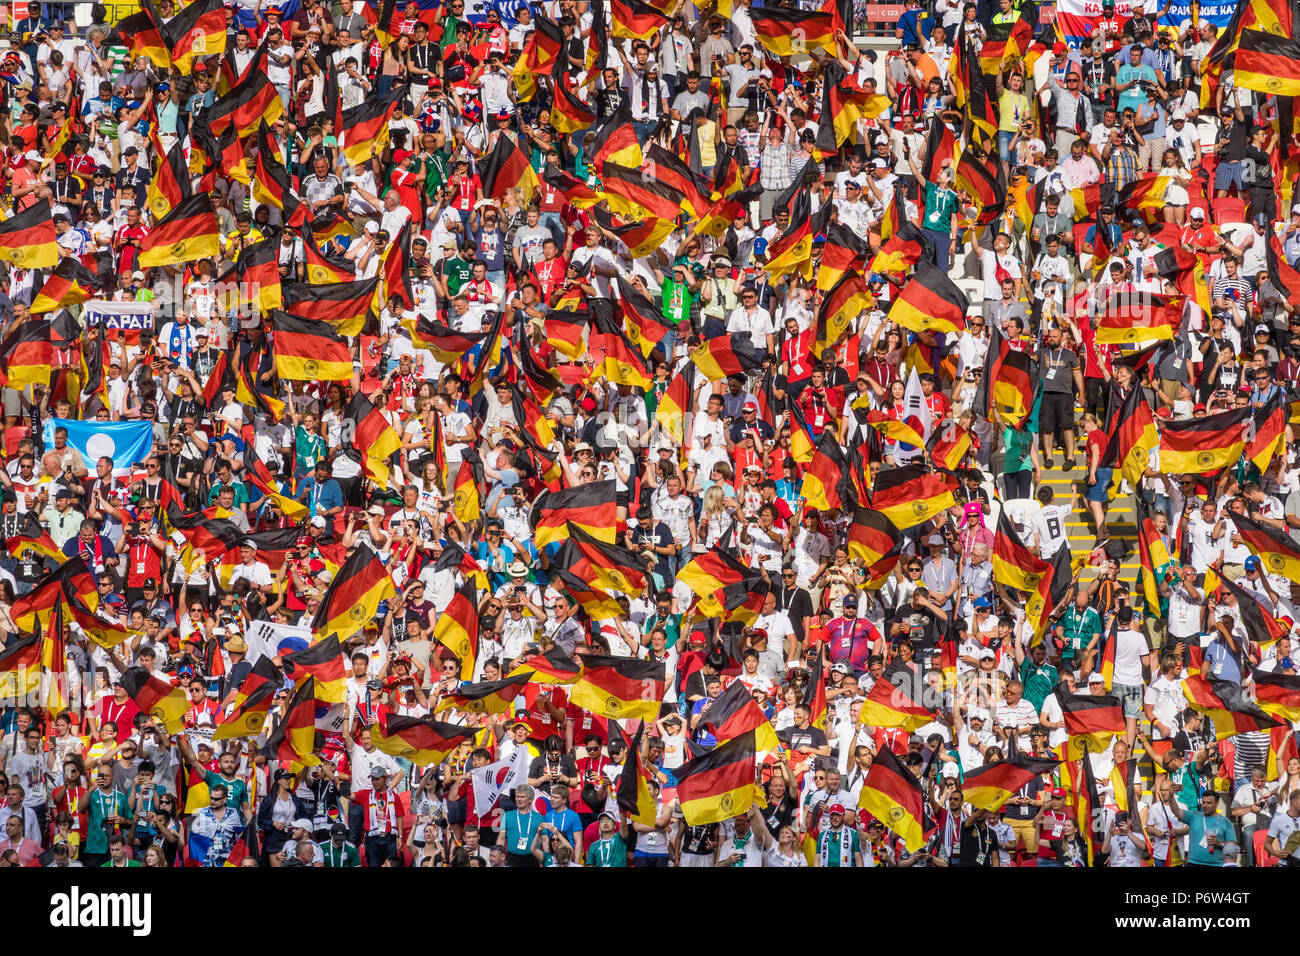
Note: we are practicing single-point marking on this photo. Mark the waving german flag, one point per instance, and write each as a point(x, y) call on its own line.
point(894, 701)
point(505, 168)
point(623, 363)
point(719, 785)
point(892, 795)
point(322, 661)
point(676, 402)
point(1261, 627)
point(591, 507)
point(792, 250)
point(598, 605)
point(71, 580)
point(1005, 42)
point(71, 283)
point(825, 473)
point(1153, 556)
point(446, 345)
point(620, 687)
point(157, 698)
point(633, 19)
point(257, 273)
point(930, 302)
point(638, 194)
point(486, 697)
point(20, 666)
point(32, 539)
point(569, 112)
point(577, 193)
point(198, 30)
point(365, 126)
point(1269, 436)
point(725, 355)
point(142, 33)
point(983, 178)
point(992, 785)
point(186, 233)
point(28, 239)
point(632, 789)
point(549, 667)
point(1182, 268)
point(785, 31)
point(354, 595)
point(724, 587)
point(1202, 445)
point(457, 628)
point(308, 351)
point(1137, 320)
point(1090, 720)
point(271, 182)
point(250, 102)
point(910, 495)
point(843, 303)
point(323, 269)
point(253, 702)
point(618, 141)
point(293, 740)
point(609, 566)
point(1133, 436)
point(670, 169)
point(423, 741)
point(871, 536)
point(1276, 550)
point(27, 354)
point(1278, 695)
point(1226, 705)
point(1051, 591)
point(734, 712)
point(373, 435)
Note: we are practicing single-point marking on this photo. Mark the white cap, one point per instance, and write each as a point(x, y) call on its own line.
point(1197, 212)
point(33, 156)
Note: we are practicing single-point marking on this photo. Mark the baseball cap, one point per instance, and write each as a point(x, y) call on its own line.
point(836, 808)
point(749, 407)
point(1252, 563)
point(1197, 212)
point(1057, 792)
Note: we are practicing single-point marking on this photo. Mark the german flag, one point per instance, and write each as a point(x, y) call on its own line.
point(1276, 550)
point(308, 351)
point(1278, 695)
point(446, 345)
point(1153, 556)
point(892, 795)
point(735, 712)
point(902, 250)
point(71, 283)
point(784, 31)
point(20, 667)
point(186, 233)
point(843, 104)
point(619, 687)
point(719, 785)
point(373, 435)
point(322, 661)
point(641, 238)
point(157, 698)
point(214, 536)
point(633, 19)
point(1267, 63)
point(981, 107)
point(726, 355)
point(70, 580)
point(992, 785)
point(199, 30)
point(569, 112)
point(891, 429)
point(506, 168)
point(623, 362)
point(637, 194)
point(566, 332)
point(257, 272)
point(986, 186)
point(949, 446)
point(1086, 801)
point(575, 192)
point(104, 632)
point(591, 507)
point(1268, 434)
point(54, 662)
point(843, 303)
point(642, 319)
point(32, 539)
point(598, 605)
point(677, 402)
point(171, 183)
point(271, 182)
point(1134, 320)
point(671, 170)
point(618, 141)
point(1133, 436)
point(1051, 591)
point(930, 302)
point(1007, 387)
point(1261, 627)
point(353, 595)
point(842, 252)
point(254, 699)
point(1087, 200)
point(1187, 274)
point(323, 269)
point(1281, 273)
point(893, 701)
point(423, 741)
point(825, 473)
point(142, 33)
point(632, 789)
point(365, 126)
point(1005, 41)
point(1145, 195)
point(549, 667)
point(608, 566)
point(28, 239)
point(910, 495)
point(27, 355)
point(486, 697)
point(724, 587)
point(1090, 720)
point(872, 536)
point(293, 740)
point(467, 503)
point(940, 145)
point(250, 102)
point(457, 628)
point(1226, 705)
point(792, 250)
point(1203, 445)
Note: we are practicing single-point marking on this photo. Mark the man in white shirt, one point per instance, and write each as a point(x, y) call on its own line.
point(1131, 656)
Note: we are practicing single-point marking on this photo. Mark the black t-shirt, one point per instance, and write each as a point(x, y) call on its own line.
point(1234, 137)
point(1025, 811)
point(698, 840)
point(793, 737)
point(1257, 173)
point(779, 814)
point(978, 844)
point(920, 625)
point(542, 765)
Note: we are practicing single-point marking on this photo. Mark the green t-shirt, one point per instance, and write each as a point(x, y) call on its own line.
point(103, 806)
point(940, 207)
point(831, 841)
point(608, 852)
point(1079, 627)
point(308, 449)
point(128, 863)
point(1018, 443)
point(241, 493)
point(457, 272)
point(672, 626)
point(236, 790)
point(1038, 681)
point(344, 856)
point(677, 300)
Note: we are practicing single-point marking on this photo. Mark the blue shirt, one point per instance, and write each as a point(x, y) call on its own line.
point(1214, 825)
point(319, 498)
point(567, 822)
point(1222, 662)
point(914, 22)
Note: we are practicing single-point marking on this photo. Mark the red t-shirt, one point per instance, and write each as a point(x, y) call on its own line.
point(123, 715)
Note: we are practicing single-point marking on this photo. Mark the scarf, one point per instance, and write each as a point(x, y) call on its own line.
point(845, 837)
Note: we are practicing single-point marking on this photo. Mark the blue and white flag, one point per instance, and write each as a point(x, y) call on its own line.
point(127, 443)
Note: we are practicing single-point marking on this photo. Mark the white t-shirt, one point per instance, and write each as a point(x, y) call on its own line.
point(1049, 525)
point(1130, 648)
